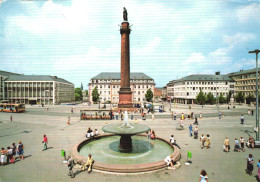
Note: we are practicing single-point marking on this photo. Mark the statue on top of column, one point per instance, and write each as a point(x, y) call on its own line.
point(125, 14)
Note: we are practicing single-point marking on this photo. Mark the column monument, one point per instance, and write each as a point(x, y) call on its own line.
point(125, 93)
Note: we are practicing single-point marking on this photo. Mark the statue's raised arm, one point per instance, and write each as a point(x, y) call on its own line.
point(125, 14)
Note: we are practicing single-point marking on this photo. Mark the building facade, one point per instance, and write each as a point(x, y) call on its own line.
point(186, 89)
point(245, 81)
point(108, 85)
point(37, 89)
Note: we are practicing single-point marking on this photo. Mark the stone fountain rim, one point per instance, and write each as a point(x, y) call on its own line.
point(123, 168)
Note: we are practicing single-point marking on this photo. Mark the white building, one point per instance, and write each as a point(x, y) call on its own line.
point(187, 88)
point(108, 85)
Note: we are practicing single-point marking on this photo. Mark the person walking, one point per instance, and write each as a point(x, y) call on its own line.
point(45, 142)
point(202, 140)
point(182, 116)
point(252, 112)
point(242, 143)
point(70, 164)
point(208, 141)
point(219, 115)
point(20, 150)
point(196, 132)
point(242, 119)
point(236, 146)
point(3, 156)
point(250, 162)
point(174, 116)
point(11, 118)
point(203, 176)
point(190, 130)
point(200, 115)
point(68, 122)
point(226, 145)
point(14, 150)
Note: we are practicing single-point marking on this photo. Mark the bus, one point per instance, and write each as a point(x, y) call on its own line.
point(8, 107)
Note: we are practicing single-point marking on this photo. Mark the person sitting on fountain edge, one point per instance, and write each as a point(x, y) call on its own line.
point(89, 164)
point(170, 162)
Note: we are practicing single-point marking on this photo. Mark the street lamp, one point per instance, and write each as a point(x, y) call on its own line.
point(217, 99)
point(256, 88)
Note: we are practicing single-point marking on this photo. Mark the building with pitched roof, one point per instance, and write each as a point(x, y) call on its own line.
point(186, 89)
point(35, 89)
point(108, 85)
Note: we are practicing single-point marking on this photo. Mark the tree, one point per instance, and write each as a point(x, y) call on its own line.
point(95, 95)
point(221, 98)
point(210, 98)
point(229, 96)
point(240, 97)
point(149, 95)
point(86, 91)
point(201, 98)
point(250, 98)
point(79, 96)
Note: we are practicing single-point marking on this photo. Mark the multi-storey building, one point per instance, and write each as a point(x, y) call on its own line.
point(108, 85)
point(187, 88)
point(245, 81)
point(37, 89)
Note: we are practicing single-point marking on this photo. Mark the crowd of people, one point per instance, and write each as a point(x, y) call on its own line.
point(8, 155)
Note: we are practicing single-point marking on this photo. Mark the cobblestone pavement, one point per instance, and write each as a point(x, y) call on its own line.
point(39, 165)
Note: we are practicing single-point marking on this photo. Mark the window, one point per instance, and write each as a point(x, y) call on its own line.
point(138, 86)
point(100, 92)
point(100, 86)
point(138, 92)
point(108, 92)
point(114, 86)
point(193, 88)
point(108, 86)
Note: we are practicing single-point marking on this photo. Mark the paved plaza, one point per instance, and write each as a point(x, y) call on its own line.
point(39, 165)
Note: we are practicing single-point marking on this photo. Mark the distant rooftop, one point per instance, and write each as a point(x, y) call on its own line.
point(117, 76)
point(241, 72)
point(46, 78)
point(5, 73)
point(200, 77)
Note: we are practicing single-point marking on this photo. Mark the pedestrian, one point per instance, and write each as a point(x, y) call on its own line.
point(226, 145)
point(196, 121)
point(11, 118)
point(208, 141)
point(149, 134)
point(236, 145)
point(248, 112)
point(169, 161)
point(250, 162)
point(3, 156)
point(196, 132)
point(242, 119)
point(152, 116)
point(252, 112)
point(202, 140)
point(222, 115)
point(258, 172)
point(45, 142)
point(122, 117)
point(242, 143)
point(228, 107)
point(182, 116)
point(20, 150)
point(9, 155)
point(200, 115)
point(70, 164)
point(219, 115)
point(203, 176)
point(132, 116)
point(14, 150)
point(71, 110)
point(190, 130)
point(153, 136)
point(68, 122)
point(88, 164)
point(174, 116)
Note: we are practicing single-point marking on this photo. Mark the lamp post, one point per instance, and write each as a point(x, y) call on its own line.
point(256, 88)
point(217, 100)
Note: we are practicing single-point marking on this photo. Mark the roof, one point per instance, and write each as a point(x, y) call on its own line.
point(200, 77)
point(117, 76)
point(241, 72)
point(5, 73)
point(36, 78)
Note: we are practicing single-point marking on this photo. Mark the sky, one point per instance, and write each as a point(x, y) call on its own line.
point(78, 39)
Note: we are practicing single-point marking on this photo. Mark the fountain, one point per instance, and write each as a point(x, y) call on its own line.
point(125, 150)
point(125, 131)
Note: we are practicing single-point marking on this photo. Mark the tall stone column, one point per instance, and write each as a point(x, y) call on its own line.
point(125, 93)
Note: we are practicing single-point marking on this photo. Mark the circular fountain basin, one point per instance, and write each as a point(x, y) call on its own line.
point(132, 129)
point(146, 155)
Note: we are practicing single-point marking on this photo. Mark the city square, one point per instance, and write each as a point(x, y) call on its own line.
point(39, 165)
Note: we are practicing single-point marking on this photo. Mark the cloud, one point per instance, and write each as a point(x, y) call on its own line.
point(249, 13)
point(238, 38)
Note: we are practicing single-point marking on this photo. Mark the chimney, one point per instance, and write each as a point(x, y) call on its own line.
point(217, 73)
